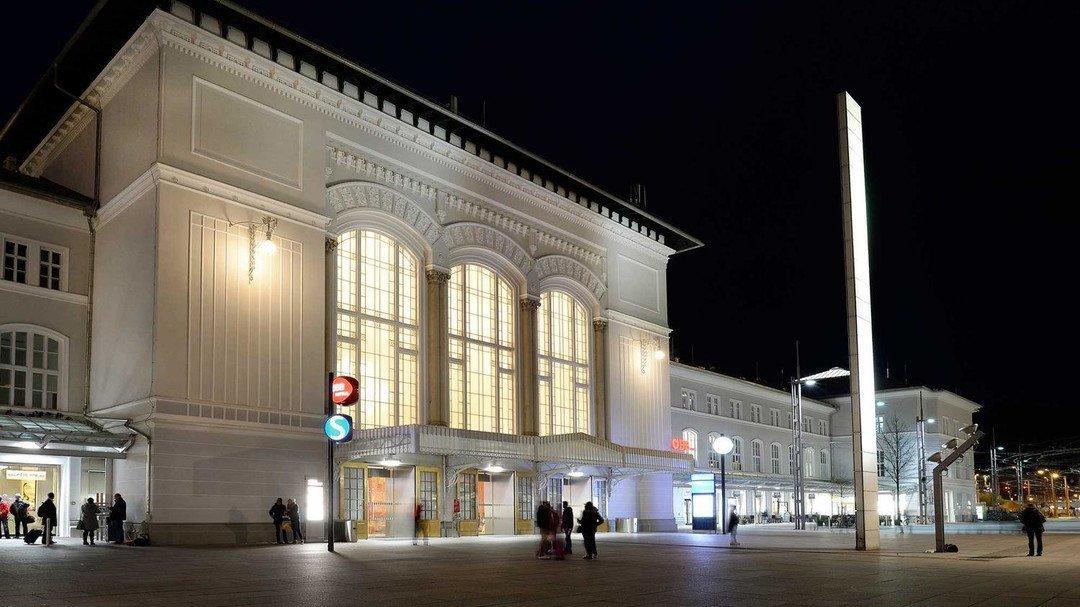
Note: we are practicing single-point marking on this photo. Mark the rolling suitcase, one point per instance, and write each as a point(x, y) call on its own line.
point(32, 536)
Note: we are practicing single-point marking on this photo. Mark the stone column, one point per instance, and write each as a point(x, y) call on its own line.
point(530, 412)
point(599, 376)
point(438, 348)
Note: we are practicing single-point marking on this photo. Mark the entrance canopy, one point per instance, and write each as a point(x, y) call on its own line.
point(568, 449)
point(50, 432)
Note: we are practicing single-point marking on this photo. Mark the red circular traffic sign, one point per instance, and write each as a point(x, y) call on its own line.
point(344, 390)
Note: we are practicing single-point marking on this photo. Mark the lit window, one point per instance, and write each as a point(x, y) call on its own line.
point(714, 457)
point(690, 436)
point(755, 455)
point(774, 458)
point(316, 504)
point(377, 328)
point(481, 312)
point(563, 377)
point(736, 454)
point(30, 368)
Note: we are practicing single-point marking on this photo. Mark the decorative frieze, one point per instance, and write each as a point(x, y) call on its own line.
point(466, 234)
point(362, 194)
point(559, 265)
point(379, 173)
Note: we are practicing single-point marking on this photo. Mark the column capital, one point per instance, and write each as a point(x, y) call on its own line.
point(530, 302)
point(599, 324)
point(437, 276)
point(331, 245)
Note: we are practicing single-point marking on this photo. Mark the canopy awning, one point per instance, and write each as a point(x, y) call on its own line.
point(56, 431)
point(576, 449)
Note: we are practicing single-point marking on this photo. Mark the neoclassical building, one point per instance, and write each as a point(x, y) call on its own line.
point(204, 215)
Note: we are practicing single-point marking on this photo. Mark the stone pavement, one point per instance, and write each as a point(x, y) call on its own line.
point(774, 566)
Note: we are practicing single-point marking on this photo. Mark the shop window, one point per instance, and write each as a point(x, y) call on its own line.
point(429, 495)
point(378, 327)
point(525, 506)
point(481, 319)
point(31, 366)
point(563, 378)
point(354, 493)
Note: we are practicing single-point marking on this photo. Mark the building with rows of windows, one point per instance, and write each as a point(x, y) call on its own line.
point(912, 423)
point(256, 212)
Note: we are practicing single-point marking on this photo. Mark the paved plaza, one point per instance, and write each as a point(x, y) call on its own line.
point(773, 567)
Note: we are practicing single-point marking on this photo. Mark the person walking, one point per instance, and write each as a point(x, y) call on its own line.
point(47, 513)
point(543, 523)
point(1033, 521)
point(733, 527)
point(115, 521)
point(589, 521)
point(567, 524)
point(19, 510)
point(418, 525)
point(5, 510)
point(88, 522)
point(292, 510)
point(277, 514)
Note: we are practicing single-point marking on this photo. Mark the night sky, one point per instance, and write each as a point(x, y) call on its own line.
point(726, 112)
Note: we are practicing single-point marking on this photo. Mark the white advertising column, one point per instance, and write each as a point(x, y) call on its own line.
point(860, 338)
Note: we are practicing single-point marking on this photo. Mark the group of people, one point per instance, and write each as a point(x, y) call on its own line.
point(18, 511)
point(286, 517)
point(553, 521)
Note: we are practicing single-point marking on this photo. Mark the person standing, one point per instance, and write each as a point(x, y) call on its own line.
point(418, 525)
point(277, 514)
point(567, 524)
point(88, 521)
point(292, 509)
point(5, 510)
point(543, 522)
point(47, 513)
point(1033, 521)
point(733, 527)
point(117, 516)
point(589, 521)
point(18, 514)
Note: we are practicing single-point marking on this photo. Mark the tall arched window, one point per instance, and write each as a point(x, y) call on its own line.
point(690, 436)
point(808, 462)
point(481, 350)
point(32, 367)
point(736, 454)
point(714, 457)
point(824, 461)
point(756, 448)
point(563, 371)
point(378, 326)
point(774, 458)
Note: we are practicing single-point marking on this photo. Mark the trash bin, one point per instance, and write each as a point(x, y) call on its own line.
point(626, 525)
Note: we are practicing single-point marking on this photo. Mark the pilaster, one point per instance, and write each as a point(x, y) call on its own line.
point(530, 413)
point(438, 345)
point(599, 379)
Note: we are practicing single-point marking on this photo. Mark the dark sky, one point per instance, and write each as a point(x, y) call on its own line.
point(726, 112)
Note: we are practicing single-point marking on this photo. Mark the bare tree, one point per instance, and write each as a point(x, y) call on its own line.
point(898, 454)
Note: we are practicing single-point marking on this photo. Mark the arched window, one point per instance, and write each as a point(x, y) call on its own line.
point(756, 448)
point(808, 462)
point(481, 311)
point(377, 327)
point(32, 367)
point(823, 459)
point(736, 453)
point(774, 458)
point(714, 457)
point(563, 371)
point(690, 436)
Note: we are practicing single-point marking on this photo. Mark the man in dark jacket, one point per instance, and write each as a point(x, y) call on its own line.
point(1033, 521)
point(18, 514)
point(47, 513)
point(278, 513)
point(567, 523)
point(292, 509)
point(117, 516)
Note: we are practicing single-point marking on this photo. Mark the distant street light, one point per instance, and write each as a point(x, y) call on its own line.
point(796, 435)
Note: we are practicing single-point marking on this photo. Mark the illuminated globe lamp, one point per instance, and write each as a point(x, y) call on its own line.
point(723, 445)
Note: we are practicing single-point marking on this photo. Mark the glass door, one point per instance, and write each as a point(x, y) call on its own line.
point(380, 501)
point(485, 504)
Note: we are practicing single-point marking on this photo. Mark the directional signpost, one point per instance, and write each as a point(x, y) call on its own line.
point(338, 428)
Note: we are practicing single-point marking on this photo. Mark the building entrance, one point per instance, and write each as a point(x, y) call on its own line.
point(33, 482)
point(485, 505)
point(380, 501)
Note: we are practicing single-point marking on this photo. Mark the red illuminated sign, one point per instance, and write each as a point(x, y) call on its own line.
point(344, 390)
point(680, 444)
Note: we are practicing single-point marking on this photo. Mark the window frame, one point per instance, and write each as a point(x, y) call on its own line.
point(61, 372)
point(543, 316)
point(757, 456)
point(33, 260)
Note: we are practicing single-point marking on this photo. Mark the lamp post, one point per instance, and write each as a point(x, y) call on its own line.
point(796, 437)
point(723, 445)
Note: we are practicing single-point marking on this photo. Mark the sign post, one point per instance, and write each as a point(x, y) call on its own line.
point(341, 390)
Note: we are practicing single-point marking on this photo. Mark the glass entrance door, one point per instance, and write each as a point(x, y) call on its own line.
point(485, 504)
point(380, 501)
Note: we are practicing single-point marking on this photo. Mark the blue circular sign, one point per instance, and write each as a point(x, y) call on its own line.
point(338, 428)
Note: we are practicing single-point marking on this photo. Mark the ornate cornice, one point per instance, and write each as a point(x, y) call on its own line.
point(370, 195)
point(466, 234)
point(380, 173)
point(559, 265)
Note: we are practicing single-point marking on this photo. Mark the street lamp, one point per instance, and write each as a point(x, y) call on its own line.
point(723, 445)
point(796, 436)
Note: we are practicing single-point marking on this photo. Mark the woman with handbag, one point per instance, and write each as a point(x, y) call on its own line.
point(88, 521)
point(589, 521)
